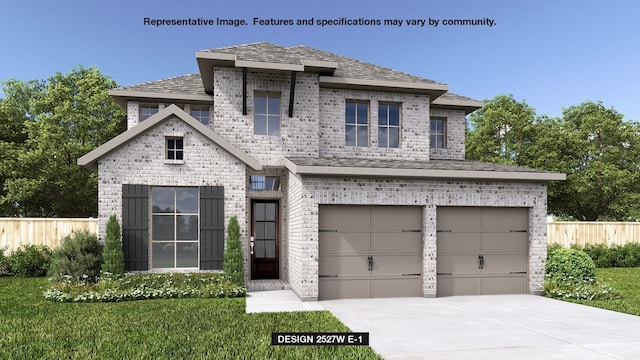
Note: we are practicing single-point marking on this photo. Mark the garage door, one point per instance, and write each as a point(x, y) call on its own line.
point(482, 251)
point(370, 251)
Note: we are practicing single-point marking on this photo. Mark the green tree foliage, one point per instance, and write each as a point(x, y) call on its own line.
point(233, 264)
point(593, 145)
point(44, 127)
point(112, 255)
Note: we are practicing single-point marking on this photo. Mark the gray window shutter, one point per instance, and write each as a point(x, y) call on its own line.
point(211, 227)
point(135, 227)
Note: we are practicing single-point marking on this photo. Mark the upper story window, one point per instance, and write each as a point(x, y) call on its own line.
point(357, 123)
point(147, 110)
point(388, 125)
point(438, 132)
point(201, 114)
point(266, 117)
point(175, 148)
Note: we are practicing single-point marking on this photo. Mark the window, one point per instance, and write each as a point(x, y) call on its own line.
point(388, 125)
point(146, 111)
point(357, 123)
point(266, 118)
point(175, 148)
point(261, 182)
point(200, 114)
point(174, 229)
point(438, 131)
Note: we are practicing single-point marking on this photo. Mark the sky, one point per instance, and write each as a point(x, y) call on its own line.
point(552, 54)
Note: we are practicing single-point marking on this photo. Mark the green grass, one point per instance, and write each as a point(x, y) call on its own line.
point(624, 280)
point(34, 328)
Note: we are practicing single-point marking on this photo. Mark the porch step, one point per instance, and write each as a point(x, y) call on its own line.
point(267, 285)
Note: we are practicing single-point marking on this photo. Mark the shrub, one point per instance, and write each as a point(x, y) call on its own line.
point(112, 255)
point(5, 262)
point(233, 264)
point(30, 260)
point(78, 257)
point(552, 248)
point(570, 265)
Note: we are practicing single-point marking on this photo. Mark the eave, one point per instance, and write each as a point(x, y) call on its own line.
point(121, 96)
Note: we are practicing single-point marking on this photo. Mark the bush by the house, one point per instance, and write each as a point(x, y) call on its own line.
point(78, 257)
point(233, 265)
point(5, 262)
point(570, 264)
point(112, 255)
point(571, 274)
point(30, 261)
point(145, 286)
point(627, 255)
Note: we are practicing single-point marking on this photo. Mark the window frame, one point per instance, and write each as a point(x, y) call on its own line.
point(262, 182)
point(387, 125)
point(197, 111)
point(438, 134)
point(356, 124)
point(173, 152)
point(175, 241)
point(267, 114)
point(147, 110)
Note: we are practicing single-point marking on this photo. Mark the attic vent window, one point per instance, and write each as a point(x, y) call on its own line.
point(175, 148)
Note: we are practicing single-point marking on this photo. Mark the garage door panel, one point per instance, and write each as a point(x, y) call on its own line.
point(343, 289)
point(504, 285)
point(505, 241)
point(458, 218)
point(343, 217)
point(396, 265)
point(500, 240)
point(395, 287)
point(505, 218)
point(505, 263)
point(396, 217)
point(345, 242)
point(346, 265)
point(449, 286)
point(458, 264)
point(459, 242)
point(396, 242)
point(349, 235)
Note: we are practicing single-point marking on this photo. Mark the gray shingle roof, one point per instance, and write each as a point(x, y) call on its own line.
point(459, 165)
point(190, 84)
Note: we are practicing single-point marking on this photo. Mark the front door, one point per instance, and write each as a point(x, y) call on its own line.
point(264, 237)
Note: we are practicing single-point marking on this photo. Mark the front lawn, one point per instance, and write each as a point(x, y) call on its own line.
point(627, 282)
point(34, 328)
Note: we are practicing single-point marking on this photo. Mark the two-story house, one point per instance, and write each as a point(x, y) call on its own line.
point(348, 180)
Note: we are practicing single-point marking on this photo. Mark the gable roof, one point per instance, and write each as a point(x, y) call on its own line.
point(450, 169)
point(336, 71)
point(90, 160)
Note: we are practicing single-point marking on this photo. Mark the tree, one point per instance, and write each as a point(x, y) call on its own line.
point(46, 126)
point(112, 255)
point(590, 143)
point(233, 264)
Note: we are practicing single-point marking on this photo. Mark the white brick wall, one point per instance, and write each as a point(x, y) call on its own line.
point(142, 161)
point(414, 122)
point(307, 193)
point(298, 134)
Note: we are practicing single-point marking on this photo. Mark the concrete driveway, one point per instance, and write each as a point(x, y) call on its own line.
point(490, 327)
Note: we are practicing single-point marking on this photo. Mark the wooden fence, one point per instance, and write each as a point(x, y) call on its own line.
point(46, 231)
point(21, 231)
point(581, 233)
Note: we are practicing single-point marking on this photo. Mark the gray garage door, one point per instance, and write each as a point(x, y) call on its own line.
point(370, 251)
point(482, 251)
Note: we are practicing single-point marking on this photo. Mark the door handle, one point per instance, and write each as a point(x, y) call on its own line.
point(252, 244)
point(480, 261)
point(370, 259)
